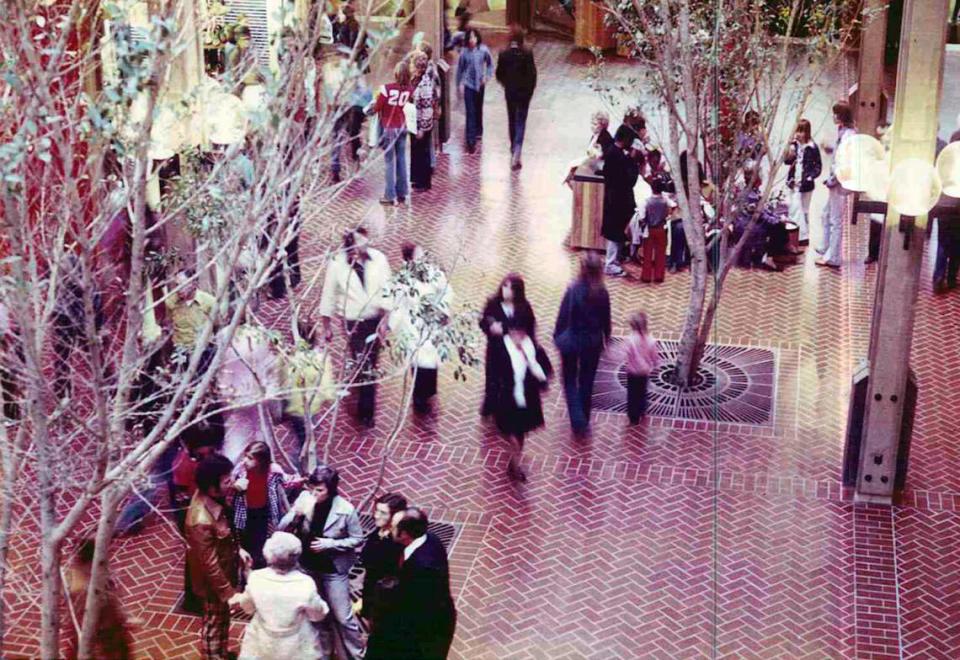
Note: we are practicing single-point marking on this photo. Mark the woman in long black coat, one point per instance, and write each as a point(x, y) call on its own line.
point(620, 173)
point(510, 302)
point(519, 373)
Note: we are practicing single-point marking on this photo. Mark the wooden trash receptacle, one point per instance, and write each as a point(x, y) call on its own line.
point(793, 246)
point(587, 217)
point(590, 31)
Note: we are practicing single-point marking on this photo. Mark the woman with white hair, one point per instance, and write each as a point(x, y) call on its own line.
point(283, 602)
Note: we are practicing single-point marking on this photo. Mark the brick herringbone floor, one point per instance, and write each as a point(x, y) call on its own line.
point(670, 540)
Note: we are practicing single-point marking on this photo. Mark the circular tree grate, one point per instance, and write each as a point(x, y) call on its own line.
point(734, 384)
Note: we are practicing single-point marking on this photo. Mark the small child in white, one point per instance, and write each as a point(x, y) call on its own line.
point(642, 359)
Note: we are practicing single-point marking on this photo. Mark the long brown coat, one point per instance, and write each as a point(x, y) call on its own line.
point(212, 550)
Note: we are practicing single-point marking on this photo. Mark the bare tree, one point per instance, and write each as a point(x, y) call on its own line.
point(707, 63)
point(92, 108)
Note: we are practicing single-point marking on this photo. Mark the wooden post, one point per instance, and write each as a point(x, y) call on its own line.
point(428, 18)
point(919, 80)
point(873, 39)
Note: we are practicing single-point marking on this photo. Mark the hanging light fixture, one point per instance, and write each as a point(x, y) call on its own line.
point(948, 167)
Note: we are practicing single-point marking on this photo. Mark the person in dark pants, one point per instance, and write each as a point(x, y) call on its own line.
point(69, 320)
point(620, 173)
point(260, 501)
point(354, 288)
point(380, 556)
point(474, 69)
point(422, 617)
point(948, 255)
point(517, 72)
point(426, 98)
point(580, 334)
point(510, 302)
point(287, 256)
point(641, 359)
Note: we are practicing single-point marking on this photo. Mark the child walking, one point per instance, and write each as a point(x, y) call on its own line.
point(642, 359)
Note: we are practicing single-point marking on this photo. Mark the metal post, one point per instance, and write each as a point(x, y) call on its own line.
point(919, 80)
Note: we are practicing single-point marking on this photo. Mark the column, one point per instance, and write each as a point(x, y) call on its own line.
point(428, 18)
point(919, 81)
point(873, 40)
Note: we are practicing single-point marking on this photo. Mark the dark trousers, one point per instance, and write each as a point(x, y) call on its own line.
point(579, 372)
point(654, 255)
point(679, 250)
point(876, 235)
point(948, 253)
point(473, 105)
point(365, 356)
point(424, 388)
point(254, 535)
point(517, 122)
point(421, 175)
point(636, 397)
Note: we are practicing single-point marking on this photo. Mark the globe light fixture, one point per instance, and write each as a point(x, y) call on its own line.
point(223, 118)
point(915, 187)
point(254, 99)
point(168, 133)
point(856, 161)
point(878, 179)
point(948, 167)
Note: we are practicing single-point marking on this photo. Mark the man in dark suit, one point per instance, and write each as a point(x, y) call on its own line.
point(420, 620)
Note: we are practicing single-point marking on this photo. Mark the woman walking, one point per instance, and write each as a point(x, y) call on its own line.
point(330, 533)
point(521, 371)
point(509, 303)
point(580, 334)
point(474, 69)
point(803, 157)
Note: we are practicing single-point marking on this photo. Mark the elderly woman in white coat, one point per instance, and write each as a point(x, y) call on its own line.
point(284, 602)
point(330, 533)
point(422, 298)
point(248, 380)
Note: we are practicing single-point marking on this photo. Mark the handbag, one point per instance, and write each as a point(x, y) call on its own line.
point(544, 361)
point(373, 132)
point(410, 117)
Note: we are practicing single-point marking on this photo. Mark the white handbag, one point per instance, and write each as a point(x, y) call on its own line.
point(410, 117)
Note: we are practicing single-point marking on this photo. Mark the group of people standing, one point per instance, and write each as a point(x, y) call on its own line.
point(294, 580)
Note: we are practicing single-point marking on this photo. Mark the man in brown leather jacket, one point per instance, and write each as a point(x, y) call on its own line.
point(214, 556)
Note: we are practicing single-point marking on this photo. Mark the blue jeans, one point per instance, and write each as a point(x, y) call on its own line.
point(335, 589)
point(473, 104)
point(517, 122)
point(393, 141)
point(579, 372)
point(833, 215)
point(679, 251)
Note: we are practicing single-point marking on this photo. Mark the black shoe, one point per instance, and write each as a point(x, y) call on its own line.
point(366, 421)
point(516, 472)
point(870, 260)
point(471, 148)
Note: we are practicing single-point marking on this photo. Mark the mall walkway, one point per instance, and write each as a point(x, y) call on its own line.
point(679, 537)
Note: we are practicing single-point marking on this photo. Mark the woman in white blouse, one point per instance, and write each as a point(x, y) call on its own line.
point(520, 375)
point(283, 602)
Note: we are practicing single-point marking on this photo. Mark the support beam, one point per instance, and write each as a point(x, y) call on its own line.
point(428, 18)
point(873, 39)
point(919, 81)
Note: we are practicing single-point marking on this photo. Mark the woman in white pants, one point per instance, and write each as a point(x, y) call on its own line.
point(803, 157)
point(833, 215)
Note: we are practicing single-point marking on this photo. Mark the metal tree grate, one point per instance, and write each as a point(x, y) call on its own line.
point(735, 384)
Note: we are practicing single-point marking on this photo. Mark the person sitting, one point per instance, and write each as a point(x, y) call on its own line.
point(284, 602)
point(767, 237)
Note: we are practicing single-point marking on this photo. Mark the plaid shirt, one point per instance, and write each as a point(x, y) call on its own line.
point(277, 503)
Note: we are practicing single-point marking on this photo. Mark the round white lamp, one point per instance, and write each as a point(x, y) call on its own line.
point(915, 187)
point(224, 121)
point(856, 161)
point(948, 167)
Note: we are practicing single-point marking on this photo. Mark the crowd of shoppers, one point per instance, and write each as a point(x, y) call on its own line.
point(293, 577)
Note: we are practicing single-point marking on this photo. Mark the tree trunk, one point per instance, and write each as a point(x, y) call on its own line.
point(51, 586)
point(690, 348)
point(6, 517)
point(99, 576)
